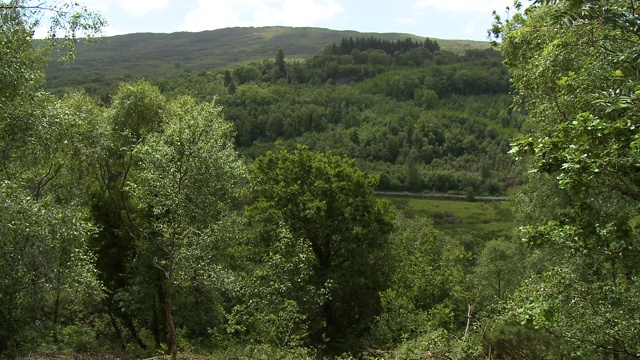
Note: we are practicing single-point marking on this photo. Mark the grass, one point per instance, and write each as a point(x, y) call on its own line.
point(482, 220)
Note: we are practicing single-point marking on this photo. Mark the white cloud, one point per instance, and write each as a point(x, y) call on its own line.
point(299, 12)
point(42, 32)
point(139, 8)
point(101, 6)
point(406, 21)
point(470, 29)
point(211, 15)
point(111, 31)
point(464, 5)
point(220, 14)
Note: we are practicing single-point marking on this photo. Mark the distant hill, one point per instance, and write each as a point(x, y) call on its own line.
point(152, 55)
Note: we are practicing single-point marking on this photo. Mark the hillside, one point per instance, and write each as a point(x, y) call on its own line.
point(152, 56)
point(425, 118)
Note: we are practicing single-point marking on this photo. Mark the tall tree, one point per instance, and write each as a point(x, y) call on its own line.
point(281, 65)
point(135, 114)
point(227, 78)
point(46, 268)
point(574, 67)
point(325, 200)
point(189, 177)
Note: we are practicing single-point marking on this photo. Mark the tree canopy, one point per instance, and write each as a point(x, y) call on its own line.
point(325, 200)
point(574, 68)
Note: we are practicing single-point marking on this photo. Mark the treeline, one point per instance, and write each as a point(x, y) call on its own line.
point(346, 46)
point(423, 121)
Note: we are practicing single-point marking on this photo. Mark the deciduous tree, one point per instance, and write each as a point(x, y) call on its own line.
point(325, 200)
point(575, 70)
point(46, 266)
point(188, 178)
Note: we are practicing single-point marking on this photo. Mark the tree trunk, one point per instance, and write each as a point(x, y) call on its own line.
point(56, 311)
point(132, 329)
point(116, 328)
point(468, 328)
point(158, 323)
point(171, 338)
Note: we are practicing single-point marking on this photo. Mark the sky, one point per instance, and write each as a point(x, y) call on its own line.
point(441, 19)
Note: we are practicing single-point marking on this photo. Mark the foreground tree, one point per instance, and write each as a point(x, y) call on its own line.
point(135, 114)
point(427, 285)
point(575, 68)
point(46, 281)
point(189, 177)
point(22, 104)
point(326, 201)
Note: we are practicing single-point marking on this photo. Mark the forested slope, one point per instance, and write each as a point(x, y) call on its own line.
point(426, 121)
point(186, 215)
point(423, 118)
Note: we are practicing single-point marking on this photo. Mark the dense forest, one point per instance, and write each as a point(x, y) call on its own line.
point(411, 117)
point(421, 118)
point(232, 213)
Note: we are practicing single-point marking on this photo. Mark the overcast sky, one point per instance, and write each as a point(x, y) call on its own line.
point(444, 19)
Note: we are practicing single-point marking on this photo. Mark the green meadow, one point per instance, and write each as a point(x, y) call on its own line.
point(481, 220)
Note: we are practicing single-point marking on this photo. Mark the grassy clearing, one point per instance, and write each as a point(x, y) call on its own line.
point(481, 220)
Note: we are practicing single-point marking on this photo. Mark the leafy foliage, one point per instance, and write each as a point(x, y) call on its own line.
point(387, 102)
point(48, 280)
point(427, 270)
point(329, 203)
point(125, 225)
point(424, 128)
point(579, 93)
point(188, 177)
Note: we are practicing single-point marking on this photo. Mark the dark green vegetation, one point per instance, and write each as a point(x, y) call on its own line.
point(134, 56)
point(419, 127)
point(422, 118)
point(232, 213)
